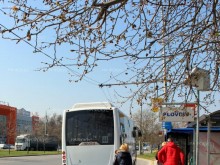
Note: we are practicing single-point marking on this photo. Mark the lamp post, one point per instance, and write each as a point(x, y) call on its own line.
point(45, 129)
point(45, 133)
point(197, 130)
point(199, 78)
point(141, 126)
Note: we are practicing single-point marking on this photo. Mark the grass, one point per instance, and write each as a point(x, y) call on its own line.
point(149, 156)
point(6, 153)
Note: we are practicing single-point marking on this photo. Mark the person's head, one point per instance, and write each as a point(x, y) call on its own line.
point(124, 147)
point(170, 139)
point(163, 144)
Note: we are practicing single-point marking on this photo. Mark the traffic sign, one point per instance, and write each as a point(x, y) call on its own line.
point(178, 114)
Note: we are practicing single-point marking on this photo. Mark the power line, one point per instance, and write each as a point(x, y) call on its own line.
point(121, 72)
point(131, 83)
point(89, 80)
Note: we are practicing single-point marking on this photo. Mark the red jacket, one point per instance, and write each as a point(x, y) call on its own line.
point(171, 154)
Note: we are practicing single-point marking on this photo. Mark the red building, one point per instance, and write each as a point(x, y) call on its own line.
point(35, 124)
point(11, 118)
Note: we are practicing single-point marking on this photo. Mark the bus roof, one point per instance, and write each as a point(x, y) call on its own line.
point(92, 105)
point(95, 105)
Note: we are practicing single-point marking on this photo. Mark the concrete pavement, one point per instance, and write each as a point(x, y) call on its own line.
point(141, 161)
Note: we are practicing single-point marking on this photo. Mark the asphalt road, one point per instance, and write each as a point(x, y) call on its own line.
point(47, 160)
point(32, 160)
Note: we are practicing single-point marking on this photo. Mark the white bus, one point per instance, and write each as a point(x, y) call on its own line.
point(91, 132)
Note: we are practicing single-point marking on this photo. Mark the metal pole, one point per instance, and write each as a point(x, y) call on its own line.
point(141, 142)
point(178, 103)
point(197, 130)
point(45, 123)
point(164, 63)
point(208, 141)
point(164, 66)
point(194, 146)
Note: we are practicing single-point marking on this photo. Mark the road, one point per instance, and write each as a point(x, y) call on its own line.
point(47, 160)
point(32, 160)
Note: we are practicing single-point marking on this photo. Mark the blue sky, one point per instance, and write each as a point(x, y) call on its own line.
point(22, 86)
point(36, 91)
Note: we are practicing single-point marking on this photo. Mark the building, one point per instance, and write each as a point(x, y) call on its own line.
point(8, 119)
point(35, 124)
point(3, 127)
point(14, 122)
point(24, 122)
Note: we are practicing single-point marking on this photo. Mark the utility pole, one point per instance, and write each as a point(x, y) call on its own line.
point(164, 63)
point(197, 130)
point(141, 126)
point(164, 60)
point(46, 120)
point(199, 78)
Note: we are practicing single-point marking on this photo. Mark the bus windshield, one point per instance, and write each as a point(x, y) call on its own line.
point(93, 126)
point(19, 140)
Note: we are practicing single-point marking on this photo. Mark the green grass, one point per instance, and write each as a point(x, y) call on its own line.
point(5, 153)
point(149, 156)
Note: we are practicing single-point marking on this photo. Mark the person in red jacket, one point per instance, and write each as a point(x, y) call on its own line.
point(171, 154)
point(156, 156)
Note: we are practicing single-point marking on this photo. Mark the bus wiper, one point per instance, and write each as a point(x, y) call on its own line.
point(90, 143)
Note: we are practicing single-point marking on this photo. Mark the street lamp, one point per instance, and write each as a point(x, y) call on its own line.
point(46, 123)
point(141, 127)
point(199, 78)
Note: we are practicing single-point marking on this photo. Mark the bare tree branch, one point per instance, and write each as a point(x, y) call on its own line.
point(144, 34)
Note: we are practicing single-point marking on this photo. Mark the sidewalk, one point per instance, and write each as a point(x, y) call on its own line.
point(141, 161)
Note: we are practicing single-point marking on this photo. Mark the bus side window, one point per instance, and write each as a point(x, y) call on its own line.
point(123, 134)
point(122, 128)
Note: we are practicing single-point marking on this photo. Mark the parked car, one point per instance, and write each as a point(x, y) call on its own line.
point(11, 146)
point(7, 146)
point(3, 146)
point(146, 148)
